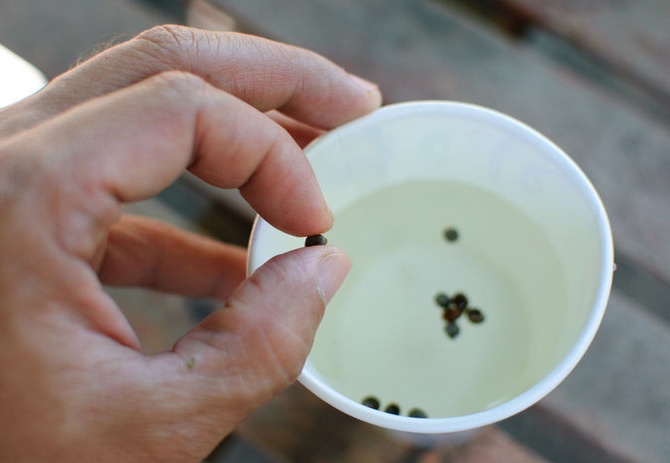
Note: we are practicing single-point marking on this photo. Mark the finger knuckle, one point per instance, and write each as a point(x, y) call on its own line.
point(166, 43)
point(167, 36)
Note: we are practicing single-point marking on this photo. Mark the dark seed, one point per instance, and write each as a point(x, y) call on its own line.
point(460, 300)
point(452, 329)
point(451, 313)
point(475, 315)
point(371, 402)
point(451, 234)
point(315, 240)
point(417, 413)
point(442, 300)
point(393, 409)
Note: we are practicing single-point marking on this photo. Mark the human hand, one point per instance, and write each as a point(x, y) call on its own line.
point(75, 385)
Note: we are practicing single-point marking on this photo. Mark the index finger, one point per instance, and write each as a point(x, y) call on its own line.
point(266, 74)
point(131, 144)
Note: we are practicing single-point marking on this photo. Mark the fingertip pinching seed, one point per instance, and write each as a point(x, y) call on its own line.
point(315, 240)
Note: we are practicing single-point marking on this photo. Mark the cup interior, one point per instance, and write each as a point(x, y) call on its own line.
point(446, 197)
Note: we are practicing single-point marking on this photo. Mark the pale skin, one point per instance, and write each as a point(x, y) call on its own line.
point(234, 110)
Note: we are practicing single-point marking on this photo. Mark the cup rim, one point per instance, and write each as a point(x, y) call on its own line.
point(543, 387)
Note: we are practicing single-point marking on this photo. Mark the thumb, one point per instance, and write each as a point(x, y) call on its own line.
point(254, 347)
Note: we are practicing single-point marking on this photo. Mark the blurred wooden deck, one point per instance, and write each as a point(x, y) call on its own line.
point(592, 75)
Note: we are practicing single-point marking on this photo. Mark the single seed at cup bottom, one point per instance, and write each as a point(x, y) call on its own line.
point(460, 300)
point(417, 413)
point(371, 402)
point(442, 300)
point(393, 409)
point(315, 240)
point(475, 315)
point(451, 234)
point(452, 329)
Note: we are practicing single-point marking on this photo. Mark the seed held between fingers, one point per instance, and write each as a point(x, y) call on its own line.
point(315, 240)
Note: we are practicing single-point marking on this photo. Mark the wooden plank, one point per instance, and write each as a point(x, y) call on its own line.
point(619, 393)
point(632, 37)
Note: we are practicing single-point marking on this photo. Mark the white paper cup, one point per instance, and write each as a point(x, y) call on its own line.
point(533, 252)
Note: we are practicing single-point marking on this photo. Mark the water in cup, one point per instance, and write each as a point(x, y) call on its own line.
point(383, 333)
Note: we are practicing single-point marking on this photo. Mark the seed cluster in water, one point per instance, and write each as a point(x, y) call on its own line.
point(392, 408)
point(452, 309)
point(455, 306)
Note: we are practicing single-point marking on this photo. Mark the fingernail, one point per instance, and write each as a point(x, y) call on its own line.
point(331, 272)
point(370, 88)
